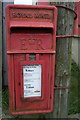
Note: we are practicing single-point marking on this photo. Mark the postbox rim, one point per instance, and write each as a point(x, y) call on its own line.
point(32, 6)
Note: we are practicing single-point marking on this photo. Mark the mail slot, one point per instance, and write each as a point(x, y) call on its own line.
point(31, 49)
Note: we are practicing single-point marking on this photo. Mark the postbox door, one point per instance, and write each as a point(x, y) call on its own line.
point(31, 101)
point(36, 42)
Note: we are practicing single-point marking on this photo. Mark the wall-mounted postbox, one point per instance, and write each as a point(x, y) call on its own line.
point(31, 44)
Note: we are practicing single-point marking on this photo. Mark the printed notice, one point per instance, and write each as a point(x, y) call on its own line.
point(32, 80)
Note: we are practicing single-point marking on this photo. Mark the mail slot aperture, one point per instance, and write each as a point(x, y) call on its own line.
point(31, 39)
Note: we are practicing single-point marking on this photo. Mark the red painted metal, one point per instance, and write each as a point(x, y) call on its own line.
point(77, 9)
point(61, 87)
point(62, 36)
point(43, 2)
point(30, 51)
point(75, 30)
point(31, 30)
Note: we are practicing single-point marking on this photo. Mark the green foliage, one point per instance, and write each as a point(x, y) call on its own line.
point(5, 100)
point(75, 70)
point(74, 99)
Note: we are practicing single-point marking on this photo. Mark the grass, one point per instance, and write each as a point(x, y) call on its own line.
point(74, 100)
point(5, 100)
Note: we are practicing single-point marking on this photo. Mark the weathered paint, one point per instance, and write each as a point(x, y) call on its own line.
point(43, 2)
point(77, 21)
point(78, 8)
point(28, 29)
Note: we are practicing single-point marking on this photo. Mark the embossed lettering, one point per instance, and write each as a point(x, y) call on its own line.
point(28, 15)
point(31, 43)
point(21, 15)
point(42, 16)
point(23, 43)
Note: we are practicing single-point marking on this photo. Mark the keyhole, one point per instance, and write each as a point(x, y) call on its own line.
point(19, 83)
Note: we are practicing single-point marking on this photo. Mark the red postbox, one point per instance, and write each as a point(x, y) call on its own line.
point(31, 48)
